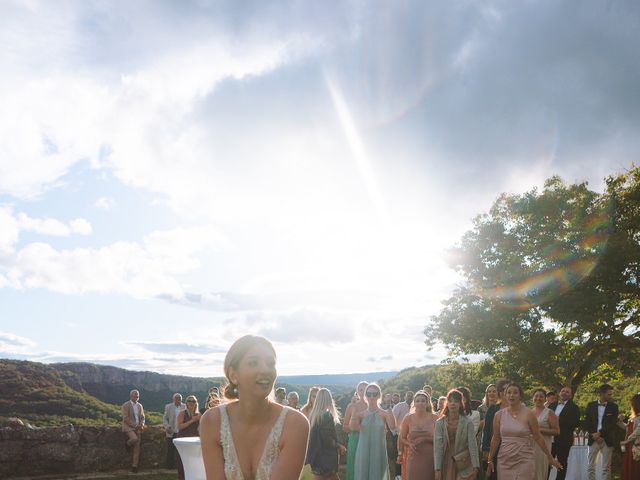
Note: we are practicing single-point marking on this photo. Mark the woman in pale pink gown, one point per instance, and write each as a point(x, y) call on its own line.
point(416, 434)
point(514, 430)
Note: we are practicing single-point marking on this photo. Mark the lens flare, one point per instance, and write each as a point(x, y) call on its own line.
point(562, 265)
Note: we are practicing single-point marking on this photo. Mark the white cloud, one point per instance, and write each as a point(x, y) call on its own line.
point(53, 227)
point(9, 231)
point(80, 226)
point(11, 225)
point(178, 348)
point(144, 270)
point(105, 203)
point(144, 114)
point(300, 325)
point(15, 344)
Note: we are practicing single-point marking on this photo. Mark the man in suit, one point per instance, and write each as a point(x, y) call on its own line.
point(132, 425)
point(568, 414)
point(600, 421)
point(170, 423)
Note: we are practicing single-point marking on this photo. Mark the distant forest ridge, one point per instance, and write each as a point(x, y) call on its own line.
point(86, 393)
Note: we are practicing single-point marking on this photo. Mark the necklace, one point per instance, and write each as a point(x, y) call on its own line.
point(514, 415)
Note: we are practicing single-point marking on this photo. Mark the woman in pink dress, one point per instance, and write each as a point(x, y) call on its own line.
point(514, 428)
point(416, 435)
point(630, 467)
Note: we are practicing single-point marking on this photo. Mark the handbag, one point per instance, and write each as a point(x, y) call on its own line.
point(462, 460)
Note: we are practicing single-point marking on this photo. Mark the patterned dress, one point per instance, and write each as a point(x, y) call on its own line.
point(269, 456)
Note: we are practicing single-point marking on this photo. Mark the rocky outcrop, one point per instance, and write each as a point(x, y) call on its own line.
point(27, 451)
point(76, 375)
point(112, 384)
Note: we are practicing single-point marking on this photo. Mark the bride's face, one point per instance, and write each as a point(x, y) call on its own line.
point(256, 373)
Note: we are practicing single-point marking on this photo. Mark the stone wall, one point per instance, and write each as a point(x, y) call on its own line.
point(30, 451)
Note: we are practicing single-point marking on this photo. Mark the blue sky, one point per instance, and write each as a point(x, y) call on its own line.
point(176, 174)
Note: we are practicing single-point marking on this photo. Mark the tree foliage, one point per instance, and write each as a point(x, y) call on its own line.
point(551, 282)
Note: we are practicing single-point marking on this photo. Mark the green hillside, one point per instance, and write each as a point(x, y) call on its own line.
point(36, 393)
point(475, 376)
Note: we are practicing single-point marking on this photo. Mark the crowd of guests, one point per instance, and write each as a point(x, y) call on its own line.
point(423, 437)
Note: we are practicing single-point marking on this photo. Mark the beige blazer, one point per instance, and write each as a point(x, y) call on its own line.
point(465, 438)
point(129, 419)
point(170, 419)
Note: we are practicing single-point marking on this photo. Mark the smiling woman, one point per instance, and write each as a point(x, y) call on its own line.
point(251, 437)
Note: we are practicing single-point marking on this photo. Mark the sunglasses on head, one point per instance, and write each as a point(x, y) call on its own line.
point(372, 394)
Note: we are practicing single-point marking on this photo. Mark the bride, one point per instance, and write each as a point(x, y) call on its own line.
point(252, 437)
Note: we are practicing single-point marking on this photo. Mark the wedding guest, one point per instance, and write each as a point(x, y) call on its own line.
point(292, 400)
point(513, 429)
point(455, 451)
point(252, 436)
point(170, 424)
point(551, 397)
point(132, 426)
point(601, 417)
point(490, 398)
point(359, 405)
point(392, 439)
point(549, 426)
point(630, 467)
point(281, 395)
point(386, 403)
point(371, 456)
point(400, 410)
point(306, 408)
point(442, 401)
point(213, 398)
point(568, 414)
point(323, 440)
point(487, 432)
point(188, 423)
point(307, 474)
point(395, 398)
point(474, 415)
point(416, 436)
point(429, 391)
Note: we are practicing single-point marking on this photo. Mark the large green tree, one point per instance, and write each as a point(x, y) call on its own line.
point(550, 286)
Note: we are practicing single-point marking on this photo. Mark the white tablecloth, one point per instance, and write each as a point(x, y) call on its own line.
point(191, 456)
point(577, 464)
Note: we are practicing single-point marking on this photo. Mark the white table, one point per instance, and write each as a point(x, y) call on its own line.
point(191, 456)
point(577, 464)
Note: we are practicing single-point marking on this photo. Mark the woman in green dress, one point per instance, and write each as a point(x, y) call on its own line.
point(357, 404)
point(371, 455)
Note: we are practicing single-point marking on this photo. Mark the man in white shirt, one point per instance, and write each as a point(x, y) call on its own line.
point(568, 414)
point(132, 425)
point(402, 409)
point(600, 421)
point(170, 424)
